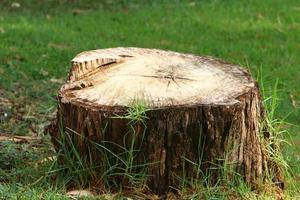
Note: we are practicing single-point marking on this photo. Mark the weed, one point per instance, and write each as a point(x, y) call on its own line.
point(273, 135)
point(273, 139)
point(118, 166)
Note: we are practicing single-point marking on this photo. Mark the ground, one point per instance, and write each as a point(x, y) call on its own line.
point(39, 38)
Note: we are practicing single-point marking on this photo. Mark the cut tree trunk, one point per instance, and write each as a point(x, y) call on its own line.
point(202, 113)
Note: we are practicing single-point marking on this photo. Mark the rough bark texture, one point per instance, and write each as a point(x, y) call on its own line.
point(225, 130)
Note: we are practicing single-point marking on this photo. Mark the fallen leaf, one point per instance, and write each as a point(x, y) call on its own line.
point(15, 5)
point(2, 30)
point(294, 103)
point(54, 80)
point(57, 46)
point(79, 193)
point(5, 102)
point(78, 11)
point(259, 16)
point(19, 139)
point(108, 196)
point(193, 3)
point(44, 72)
point(51, 158)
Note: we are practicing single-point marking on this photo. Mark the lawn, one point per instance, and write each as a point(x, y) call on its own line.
point(38, 38)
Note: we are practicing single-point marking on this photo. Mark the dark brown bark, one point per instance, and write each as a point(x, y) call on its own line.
point(173, 137)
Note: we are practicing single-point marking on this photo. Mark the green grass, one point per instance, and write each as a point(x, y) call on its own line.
point(38, 40)
point(118, 167)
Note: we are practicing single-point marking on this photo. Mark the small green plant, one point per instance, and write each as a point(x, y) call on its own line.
point(13, 155)
point(117, 163)
point(134, 172)
point(136, 112)
point(273, 135)
point(235, 185)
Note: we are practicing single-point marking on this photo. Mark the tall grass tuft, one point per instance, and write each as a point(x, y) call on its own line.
point(273, 137)
point(116, 165)
point(273, 133)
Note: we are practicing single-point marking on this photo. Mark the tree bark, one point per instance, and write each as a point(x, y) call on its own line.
point(203, 114)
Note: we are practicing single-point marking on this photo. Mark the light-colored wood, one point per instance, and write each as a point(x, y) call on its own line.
point(117, 76)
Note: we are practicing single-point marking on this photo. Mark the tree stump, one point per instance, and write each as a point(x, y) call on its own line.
point(202, 113)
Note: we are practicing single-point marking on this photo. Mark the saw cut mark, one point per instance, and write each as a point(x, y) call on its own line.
point(115, 76)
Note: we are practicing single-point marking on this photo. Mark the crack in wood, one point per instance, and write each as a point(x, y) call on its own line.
point(160, 77)
point(124, 56)
point(78, 85)
point(106, 64)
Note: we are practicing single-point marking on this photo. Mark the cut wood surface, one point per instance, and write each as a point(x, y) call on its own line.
point(202, 110)
point(114, 77)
